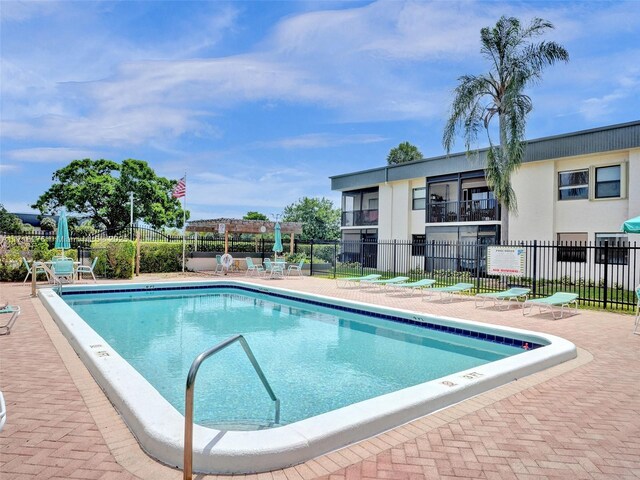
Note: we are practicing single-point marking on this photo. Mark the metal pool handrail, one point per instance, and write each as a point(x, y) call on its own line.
point(191, 380)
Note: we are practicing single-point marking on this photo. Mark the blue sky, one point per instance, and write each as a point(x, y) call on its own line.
point(260, 102)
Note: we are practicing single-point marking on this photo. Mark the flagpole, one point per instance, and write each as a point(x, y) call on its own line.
point(184, 220)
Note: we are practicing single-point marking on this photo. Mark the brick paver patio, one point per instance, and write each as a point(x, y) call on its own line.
point(577, 420)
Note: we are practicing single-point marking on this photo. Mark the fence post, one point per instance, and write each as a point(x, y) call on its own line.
point(606, 274)
point(534, 280)
point(362, 256)
point(335, 259)
point(394, 257)
point(137, 254)
point(311, 260)
point(433, 256)
point(262, 249)
point(478, 257)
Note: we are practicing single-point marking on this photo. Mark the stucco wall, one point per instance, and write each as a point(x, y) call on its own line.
point(535, 189)
point(634, 185)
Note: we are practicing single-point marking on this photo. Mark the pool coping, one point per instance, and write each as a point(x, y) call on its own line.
point(308, 436)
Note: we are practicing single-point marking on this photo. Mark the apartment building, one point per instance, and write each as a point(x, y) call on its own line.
point(577, 186)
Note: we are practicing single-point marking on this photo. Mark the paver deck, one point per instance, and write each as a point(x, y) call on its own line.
point(578, 420)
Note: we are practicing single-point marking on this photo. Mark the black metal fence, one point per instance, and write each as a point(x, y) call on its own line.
point(604, 275)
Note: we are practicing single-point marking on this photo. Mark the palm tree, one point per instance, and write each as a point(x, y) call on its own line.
point(516, 63)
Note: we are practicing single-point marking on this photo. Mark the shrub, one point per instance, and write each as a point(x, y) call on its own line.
point(157, 257)
point(116, 257)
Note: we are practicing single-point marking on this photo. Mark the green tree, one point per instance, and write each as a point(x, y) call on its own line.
point(48, 224)
point(405, 152)
point(84, 230)
point(515, 63)
point(321, 221)
point(100, 190)
point(255, 216)
point(9, 223)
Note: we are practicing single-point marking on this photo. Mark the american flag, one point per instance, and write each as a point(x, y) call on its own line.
point(180, 190)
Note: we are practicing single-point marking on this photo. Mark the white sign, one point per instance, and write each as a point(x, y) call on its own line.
point(506, 261)
point(221, 228)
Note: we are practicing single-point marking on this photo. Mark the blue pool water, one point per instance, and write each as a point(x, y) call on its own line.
point(317, 359)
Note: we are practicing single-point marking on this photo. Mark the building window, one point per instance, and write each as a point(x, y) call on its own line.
point(616, 251)
point(419, 198)
point(608, 182)
point(573, 185)
point(417, 245)
point(572, 247)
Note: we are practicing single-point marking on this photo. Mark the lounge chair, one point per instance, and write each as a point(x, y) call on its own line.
point(3, 411)
point(252, 268)
point(637, 322)
point(415, 286)
point(13, 312)
point(87, 269)
point(30, 270)
point(558, 299)
point(296, 268)
point(384, 283)
point(503, 298)
point(273, 269)
point(355, 281)
point(449, 291)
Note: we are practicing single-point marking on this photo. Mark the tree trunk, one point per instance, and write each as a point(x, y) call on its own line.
point(504, 224)
point(504, 211)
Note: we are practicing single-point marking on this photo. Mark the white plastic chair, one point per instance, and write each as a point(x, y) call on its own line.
point(295, 268)
point(219, 266)
point(273, 269)
point(88, 269)
point(38, 269)
point(252, 268)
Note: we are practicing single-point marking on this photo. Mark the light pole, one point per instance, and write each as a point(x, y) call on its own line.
point(131, 200)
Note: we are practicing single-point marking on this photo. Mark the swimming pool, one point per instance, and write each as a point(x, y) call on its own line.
point(350, 395)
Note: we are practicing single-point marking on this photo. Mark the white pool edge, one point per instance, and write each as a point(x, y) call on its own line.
point(159, 427)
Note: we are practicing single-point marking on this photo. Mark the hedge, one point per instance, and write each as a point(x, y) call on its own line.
point(161, 257)
point(116, 257)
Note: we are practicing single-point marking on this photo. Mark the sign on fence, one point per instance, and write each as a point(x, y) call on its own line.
point(505, 261)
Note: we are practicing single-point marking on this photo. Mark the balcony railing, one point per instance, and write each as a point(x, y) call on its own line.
point(357, 218)
point(465, 211)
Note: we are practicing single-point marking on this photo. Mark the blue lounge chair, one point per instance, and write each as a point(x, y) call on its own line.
point(413, 286)
point(355, 281)
point(504, 298)
point(13, 312)
point(558, 299)
point(448, 292)
point(384, 283)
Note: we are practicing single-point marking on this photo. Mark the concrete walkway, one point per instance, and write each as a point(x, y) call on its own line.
point(577, 420)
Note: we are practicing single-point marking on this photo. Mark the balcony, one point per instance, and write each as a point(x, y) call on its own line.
point(357, 218)
point(465, 211)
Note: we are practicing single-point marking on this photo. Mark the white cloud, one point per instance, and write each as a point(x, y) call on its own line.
point(321, 140)
point(49, 154)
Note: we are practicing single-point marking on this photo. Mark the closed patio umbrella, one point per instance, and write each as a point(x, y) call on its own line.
point(277, 244)
point(632, 225)
point(62, 235)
